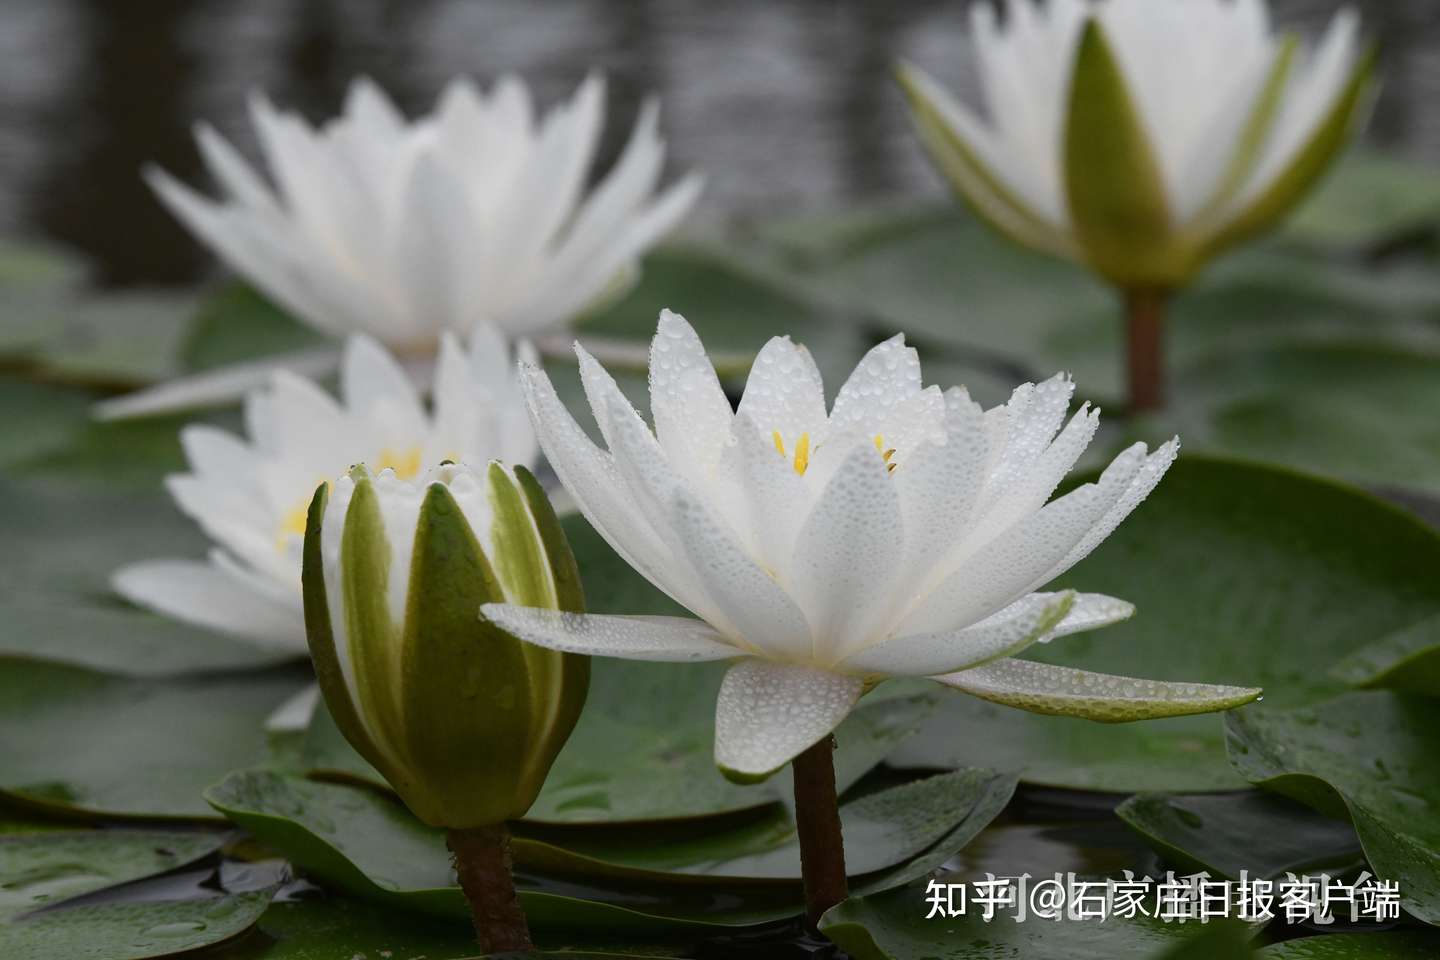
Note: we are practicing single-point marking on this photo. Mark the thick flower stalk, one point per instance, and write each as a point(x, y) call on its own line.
point(903, 533)
point(1142, 137)
point(462, 719)
point(250, 495)
point(479, 212)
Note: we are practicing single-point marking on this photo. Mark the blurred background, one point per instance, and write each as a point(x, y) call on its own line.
point(787, 106)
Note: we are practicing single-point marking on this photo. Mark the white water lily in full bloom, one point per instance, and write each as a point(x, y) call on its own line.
point(902, 533)
point(1142, 137)
point(478, 212)
point(250, 495)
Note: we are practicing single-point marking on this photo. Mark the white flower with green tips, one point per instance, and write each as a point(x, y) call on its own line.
point(250, 494)
point(462, 719)
point(1142, 137)
point(479, 212)
point(903, 533)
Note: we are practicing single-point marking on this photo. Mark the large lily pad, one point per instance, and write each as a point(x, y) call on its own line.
point(1234, 582)
point(369, 845)
point(63, 542)
point(79, 740)
point(130, 931)
point(1372, 757)
point(1258, 833)
point(43, 869)
point(1407, 659)
point(892, 926)
point(1368, 199)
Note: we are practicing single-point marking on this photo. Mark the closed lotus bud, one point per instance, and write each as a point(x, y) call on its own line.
point(462, 719)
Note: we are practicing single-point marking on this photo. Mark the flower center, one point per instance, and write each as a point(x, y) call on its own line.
point(406, 465)
point(885, 453)
point(802, 450)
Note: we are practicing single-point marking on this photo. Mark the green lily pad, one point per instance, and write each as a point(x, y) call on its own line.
point(235, 323)
point(75, 739)
point(892, 926)
point(369, 846)
point(1234, 581)
point(130, 931)
point(1407, 660)
point(1389, 945)
point(1370, 756)
point(338, 831)
point(63, 542)
point(42, 869)
point(1224, 834)
point(1366, 200)
point(335, 928)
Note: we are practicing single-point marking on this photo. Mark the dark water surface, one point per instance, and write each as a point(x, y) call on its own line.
point(786, 104)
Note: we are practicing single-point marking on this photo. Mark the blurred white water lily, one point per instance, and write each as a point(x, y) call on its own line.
point(478, 212)
point(903, 533)
point(1141, 137)
point(250, 496)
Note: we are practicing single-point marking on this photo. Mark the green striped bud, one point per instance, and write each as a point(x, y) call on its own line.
point(462, 719)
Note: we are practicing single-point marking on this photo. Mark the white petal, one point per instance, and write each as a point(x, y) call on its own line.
point(784, 392)
point(198, 593)
point(215, 387)
point(766, 500)
point(762, 614)
point(1025, 556)
point(1002, 634)
point(669, 639)
point(768, 713)
point(1067, 692)
point(692, 414)
point(847, 554)
point(1090, 612)
point(293, 715)
point(379, 391)
point(888, 374)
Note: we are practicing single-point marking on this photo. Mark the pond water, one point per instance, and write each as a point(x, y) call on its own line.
point(786, 105)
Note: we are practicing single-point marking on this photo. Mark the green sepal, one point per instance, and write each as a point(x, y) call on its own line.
point(371, 635)
point(468, 718)
point(517, 553)
point(561, 681)
point(1113, 180)
point(1309, 164)
point(980, 187)
point(320, 633)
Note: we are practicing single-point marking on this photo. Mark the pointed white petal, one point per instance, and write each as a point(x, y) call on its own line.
point(1002, 634)
point(887, 375)
point(215, 387)
point(669, 639)
point(768, 713)
point(199, 593)
point(784, 392)
point(847, 554)
point(692, 414)
point(1067, 692)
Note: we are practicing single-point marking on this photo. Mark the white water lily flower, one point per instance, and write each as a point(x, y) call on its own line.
point(250, 495)
point(478, 212)
point(1141, 137)
point(903, 533)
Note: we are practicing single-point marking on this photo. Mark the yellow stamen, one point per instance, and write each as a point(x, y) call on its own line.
point(779, 441)
point(292, 526)
point(802, 453)
point(884, 453)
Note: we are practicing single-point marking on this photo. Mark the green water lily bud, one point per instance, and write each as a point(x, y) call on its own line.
point(462, 719)
point(1142, 137)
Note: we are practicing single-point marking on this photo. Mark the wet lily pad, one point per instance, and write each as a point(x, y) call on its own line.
point(1370, 756)
point(892, 926)
point(42, 869)
point(1259, 833)
point(1234, 582)
point(1408, 659)
point(63, 542)
point(339, 832)
point(75, 739)
point(1389, 945)
point(1367, 199)
point(130, 931)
